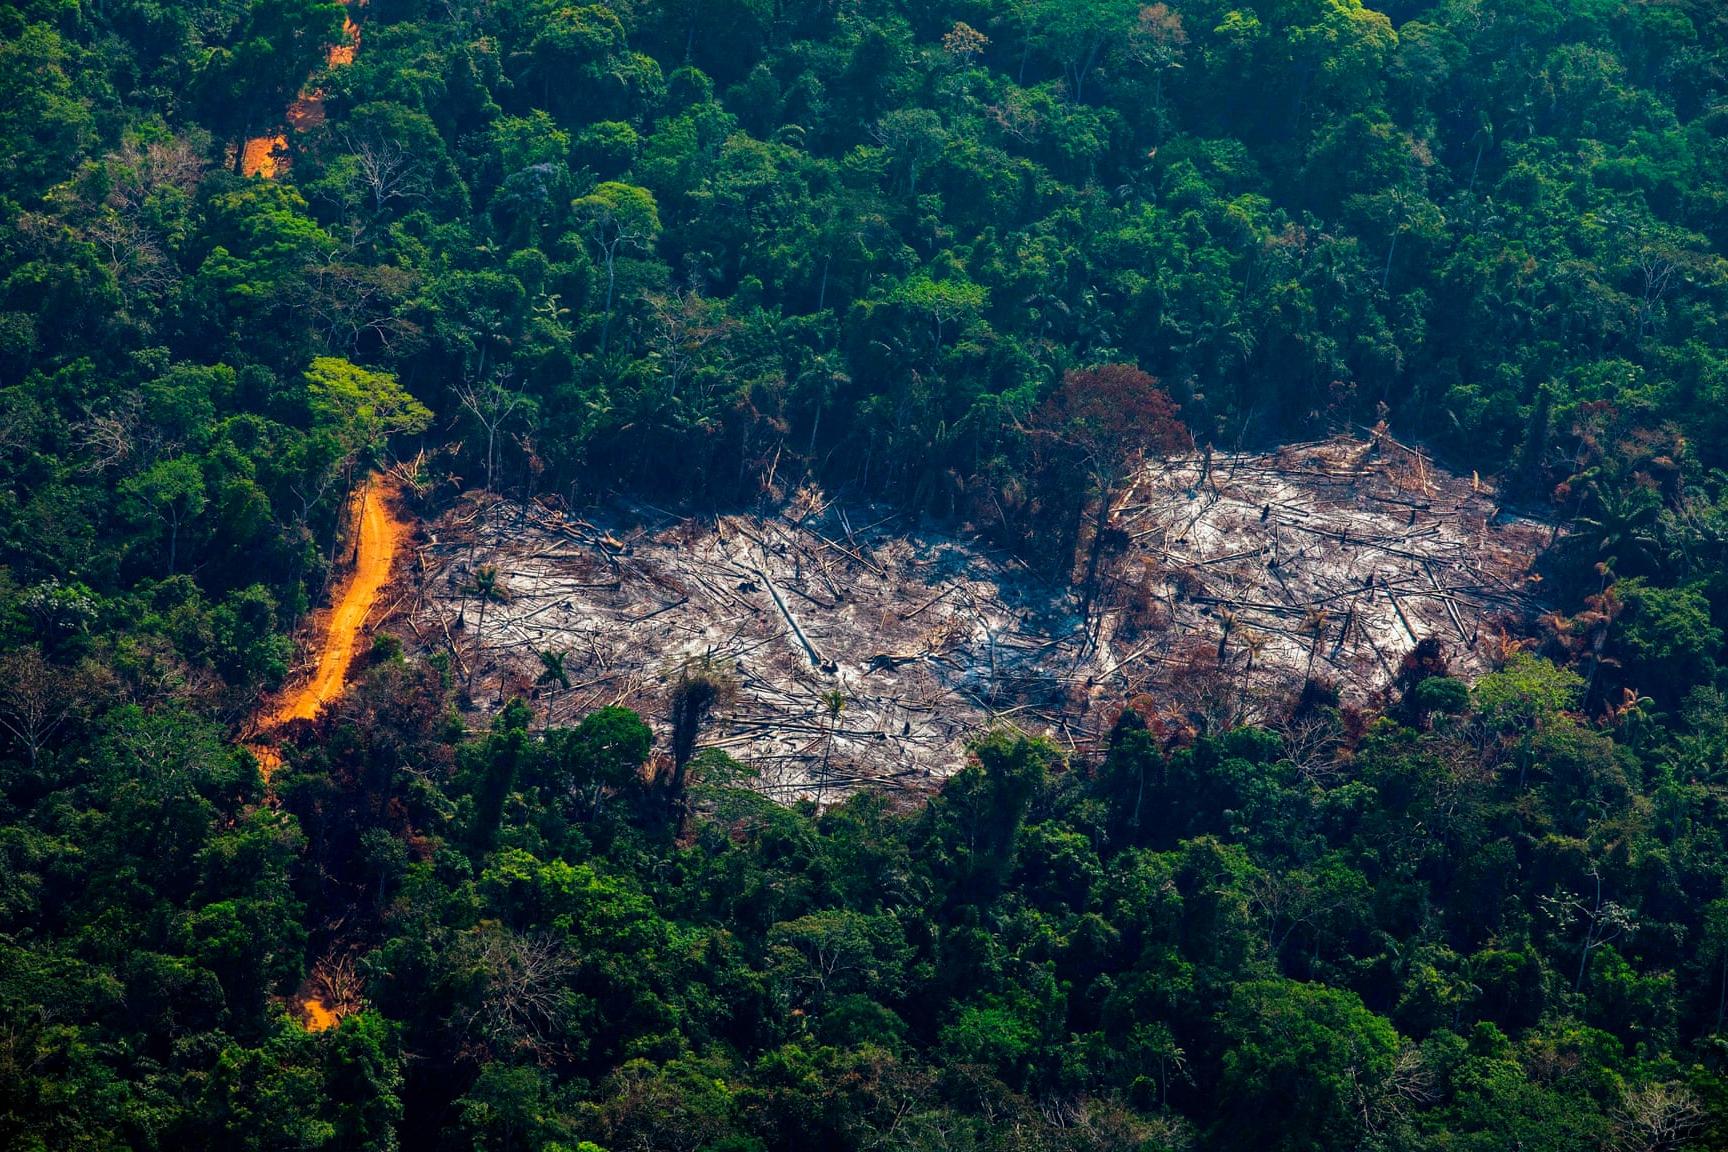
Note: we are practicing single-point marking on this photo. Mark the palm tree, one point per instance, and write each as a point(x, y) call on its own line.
point(1253, 642)
point(1622, 525)
point(702, 686)
point(484, 587)
point(552, 672)
point(834, 701)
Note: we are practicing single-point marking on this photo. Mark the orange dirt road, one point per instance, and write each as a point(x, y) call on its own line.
point(267, 156)
point(318, 1017)
point(378, 534)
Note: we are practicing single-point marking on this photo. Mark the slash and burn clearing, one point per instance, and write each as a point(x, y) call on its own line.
point(867, 650)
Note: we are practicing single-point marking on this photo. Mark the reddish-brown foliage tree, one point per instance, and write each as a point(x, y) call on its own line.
point(1105, 422)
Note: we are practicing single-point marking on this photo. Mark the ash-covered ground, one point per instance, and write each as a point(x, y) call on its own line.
point(1240, 575)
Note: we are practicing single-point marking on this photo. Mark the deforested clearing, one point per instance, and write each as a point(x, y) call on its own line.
point(868, 649)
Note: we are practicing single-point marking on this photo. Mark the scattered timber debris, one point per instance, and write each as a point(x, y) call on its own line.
point(1236, 580)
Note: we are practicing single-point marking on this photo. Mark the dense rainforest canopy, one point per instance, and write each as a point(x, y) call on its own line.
point(702, 251)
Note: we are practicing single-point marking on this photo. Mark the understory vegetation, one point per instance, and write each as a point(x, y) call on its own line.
point(976, 258)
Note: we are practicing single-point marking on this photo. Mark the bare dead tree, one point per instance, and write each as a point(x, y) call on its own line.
point(1388, 1098)
point(1657, 265)
point(338, 984)
point(124, 226)
point(349, 302)
point(36, 699)
point(689, 333)
point(644, 1111)
point(1017, 117)
point(136, 256)
point(1657, 1117)
point(491, 402)
point(900, 1100)
point(1312, 742)
point(1286, 901)
point(524, 989)
point(385, 169)
point(1605, 921)
point(110, 439)
point(311, 489)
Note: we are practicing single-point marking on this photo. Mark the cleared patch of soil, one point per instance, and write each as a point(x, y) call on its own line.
point(1236, 576)
point(267, 156)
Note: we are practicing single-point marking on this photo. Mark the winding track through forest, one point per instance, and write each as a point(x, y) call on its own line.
point(377, 529)
point(267, 156)
point(378, 532)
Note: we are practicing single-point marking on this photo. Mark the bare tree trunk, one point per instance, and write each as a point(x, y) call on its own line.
point(1721, 993)
point(611, 283)
point(1094, 556)
point(479, 630)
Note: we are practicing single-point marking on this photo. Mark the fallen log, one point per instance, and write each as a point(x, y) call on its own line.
point(816, 658)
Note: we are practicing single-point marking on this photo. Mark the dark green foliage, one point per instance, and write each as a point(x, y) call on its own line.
point(1314, 1057)
point(1454, 930)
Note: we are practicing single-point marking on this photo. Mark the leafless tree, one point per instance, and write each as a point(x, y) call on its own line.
point(1312, 743)
point(110, 439)
point(385, 169)
point(524, 991)
point(1605, 921)
point(1657, 1117)
point(336, 982)
point(1286, 901)
point(1657, 265)
point(1409, 1083)
point(1017, 117)
point(689, 334)
point(311, 489)
point(462, 16)
point(349, 302)
point(134, 253)
point(492, 402)
point(896, 1099)
point(1082, 1123)
point(36, 699)
point(645, 1111)
point(125, 225)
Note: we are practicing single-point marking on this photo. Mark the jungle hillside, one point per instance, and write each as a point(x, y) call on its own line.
point(1221, 504)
